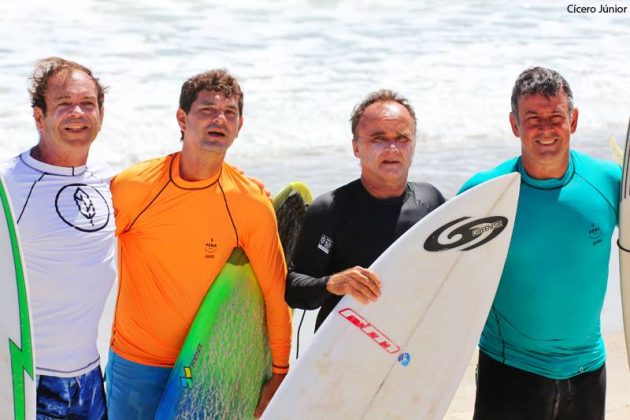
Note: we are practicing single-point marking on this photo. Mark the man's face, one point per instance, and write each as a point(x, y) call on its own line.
point(73, 117)
point(544, 126)
point(385, 143)
point(212, 123)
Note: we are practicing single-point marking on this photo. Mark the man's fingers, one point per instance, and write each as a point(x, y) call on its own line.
point(364, 287)
point(369, 280)
point(371, 275)
point(363, 284)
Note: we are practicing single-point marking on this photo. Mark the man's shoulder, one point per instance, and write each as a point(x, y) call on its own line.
point(234, 182)
point(335, 198)
point(589, 165)
point(503, 168)
point(245, 197)
point(135, 185)
point(101, 170)
point(142, 173)
point(426, 193)
point(8, 167)
point(602, 175)
point(17, 174)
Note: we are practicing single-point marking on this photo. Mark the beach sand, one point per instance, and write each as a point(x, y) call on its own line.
point(617, 393)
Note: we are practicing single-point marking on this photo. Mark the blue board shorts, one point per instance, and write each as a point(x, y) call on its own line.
point(133, 390)
point(75, 397)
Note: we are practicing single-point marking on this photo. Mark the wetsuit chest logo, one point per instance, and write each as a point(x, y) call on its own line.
point(473, 233)
point(325, 244)
point(83, 207)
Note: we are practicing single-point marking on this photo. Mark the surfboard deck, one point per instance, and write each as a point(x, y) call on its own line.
point(17, 384)
point(624, 241)
point(403, 356)
point(225, 358)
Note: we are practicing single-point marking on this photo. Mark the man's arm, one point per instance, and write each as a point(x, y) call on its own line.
point(309, 281)
point(262, 246)
point(309, 270)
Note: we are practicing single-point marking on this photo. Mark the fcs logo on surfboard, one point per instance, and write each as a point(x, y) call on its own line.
point(475, 233)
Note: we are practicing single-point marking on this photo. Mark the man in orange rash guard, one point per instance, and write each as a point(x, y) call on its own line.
point(178, 219)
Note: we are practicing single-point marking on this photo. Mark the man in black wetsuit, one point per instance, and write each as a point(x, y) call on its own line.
point(345, 230)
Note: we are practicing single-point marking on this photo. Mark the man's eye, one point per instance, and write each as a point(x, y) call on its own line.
point(558, 119)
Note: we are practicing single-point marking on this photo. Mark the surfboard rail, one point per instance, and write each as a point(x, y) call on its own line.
point(17, 390)
point(624, 241)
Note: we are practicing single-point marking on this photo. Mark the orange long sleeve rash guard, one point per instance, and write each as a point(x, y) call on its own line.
point(174, 236)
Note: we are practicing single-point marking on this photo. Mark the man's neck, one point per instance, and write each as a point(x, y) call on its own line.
point(384, 190)
point(60, 156)
point(542, 171)
point(197, 167)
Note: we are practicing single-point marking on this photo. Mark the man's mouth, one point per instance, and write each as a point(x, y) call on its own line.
point(216, 133)
point(547, 142)
point(75, 128)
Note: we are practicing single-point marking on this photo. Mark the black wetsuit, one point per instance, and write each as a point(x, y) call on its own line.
point(348, 227)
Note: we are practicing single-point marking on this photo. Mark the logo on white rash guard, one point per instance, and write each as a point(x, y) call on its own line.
point(83, 207)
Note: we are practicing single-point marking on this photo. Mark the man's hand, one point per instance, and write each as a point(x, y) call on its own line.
point(267, 392)
point(361, 283)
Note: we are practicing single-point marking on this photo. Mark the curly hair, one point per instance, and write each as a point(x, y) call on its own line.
point(219, 80)
point(47, 68)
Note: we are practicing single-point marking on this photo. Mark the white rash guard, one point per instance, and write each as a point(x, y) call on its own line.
point(66, 224)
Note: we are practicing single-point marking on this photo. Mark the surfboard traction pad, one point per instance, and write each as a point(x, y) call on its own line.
point(225, 358)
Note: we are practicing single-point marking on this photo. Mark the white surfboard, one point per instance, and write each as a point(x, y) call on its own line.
point(404, 355)
point(17, 385)
point(624, 241)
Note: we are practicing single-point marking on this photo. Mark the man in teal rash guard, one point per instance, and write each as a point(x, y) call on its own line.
point(541, 351)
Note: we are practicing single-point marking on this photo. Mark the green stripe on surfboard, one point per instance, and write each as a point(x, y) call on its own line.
point(225, 358)
point(21, 353)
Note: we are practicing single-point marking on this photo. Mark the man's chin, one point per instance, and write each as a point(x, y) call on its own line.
point(394, 176)
point(79, 140)
point(215, 147)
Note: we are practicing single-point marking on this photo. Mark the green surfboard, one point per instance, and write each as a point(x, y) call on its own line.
point(225, 358)
point(17, 385)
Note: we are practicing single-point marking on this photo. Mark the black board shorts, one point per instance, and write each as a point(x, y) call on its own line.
point(508, 393)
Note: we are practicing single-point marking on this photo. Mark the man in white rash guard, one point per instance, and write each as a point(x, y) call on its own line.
point(65, 219)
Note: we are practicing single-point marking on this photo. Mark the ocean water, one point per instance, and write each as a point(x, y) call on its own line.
point(304, 64)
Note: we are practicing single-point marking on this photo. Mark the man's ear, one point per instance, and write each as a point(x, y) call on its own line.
point(38, 115)
point(181, 119)
point(514, 125)
point(574, 120)
point(355, 148)
point(100, 122)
